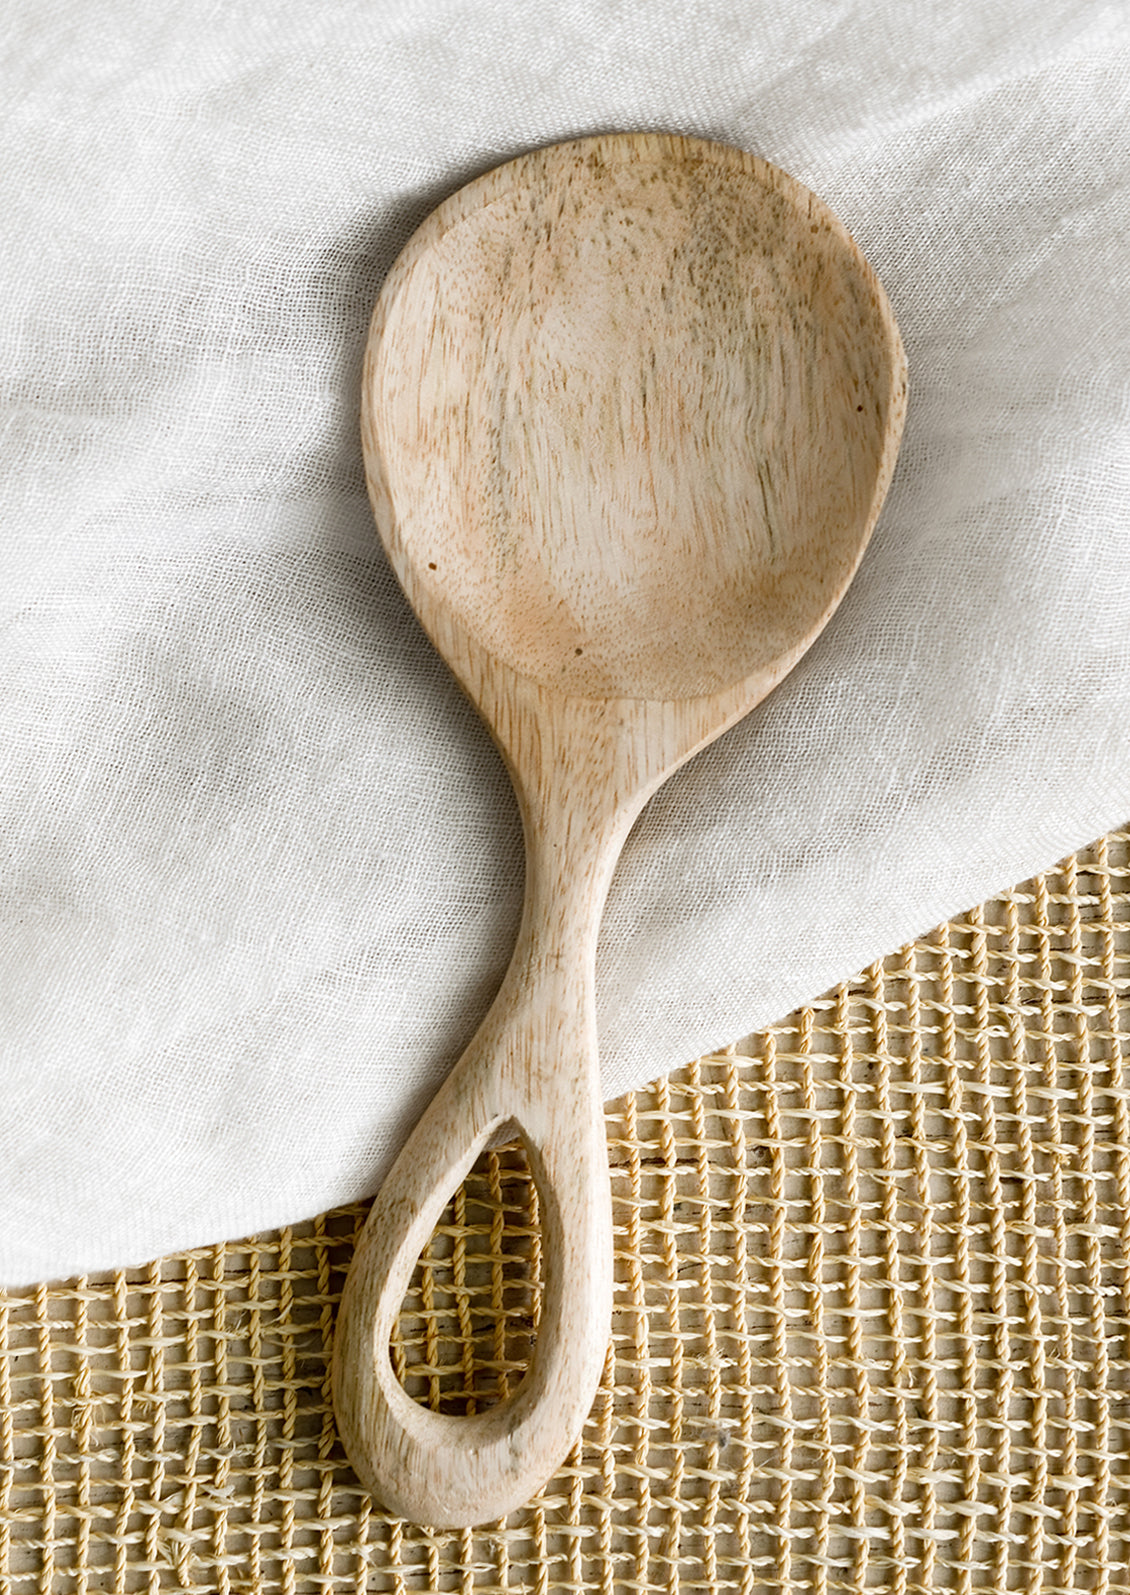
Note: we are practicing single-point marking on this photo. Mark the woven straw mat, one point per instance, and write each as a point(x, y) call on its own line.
point(870, 1326)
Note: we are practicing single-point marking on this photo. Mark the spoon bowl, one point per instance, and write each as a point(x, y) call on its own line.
point(630, 409)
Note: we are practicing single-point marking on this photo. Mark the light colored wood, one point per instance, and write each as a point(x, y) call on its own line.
point(631, 406)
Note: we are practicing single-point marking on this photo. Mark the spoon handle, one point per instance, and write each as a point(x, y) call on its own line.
point(531, 1070)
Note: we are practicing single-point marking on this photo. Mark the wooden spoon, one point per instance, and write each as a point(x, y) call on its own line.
point(631, 406)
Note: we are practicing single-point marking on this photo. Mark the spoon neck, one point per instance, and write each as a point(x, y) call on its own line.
point(571, 850)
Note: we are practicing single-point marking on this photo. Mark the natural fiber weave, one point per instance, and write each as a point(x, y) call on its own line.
point(870, 1333)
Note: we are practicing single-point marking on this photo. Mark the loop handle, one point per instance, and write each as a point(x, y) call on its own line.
point(451, 1472)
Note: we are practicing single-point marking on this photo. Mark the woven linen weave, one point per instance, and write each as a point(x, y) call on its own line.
point(870, 1325)
point(260, 865)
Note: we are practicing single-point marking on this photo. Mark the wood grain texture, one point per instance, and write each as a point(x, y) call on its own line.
point(630, 409)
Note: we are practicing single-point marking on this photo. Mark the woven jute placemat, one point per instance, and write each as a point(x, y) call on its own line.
point(872, 1306)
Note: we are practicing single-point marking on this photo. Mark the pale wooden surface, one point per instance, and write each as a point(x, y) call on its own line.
point(631, 406)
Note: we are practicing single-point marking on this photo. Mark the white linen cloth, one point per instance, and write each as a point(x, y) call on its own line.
point(261, 866)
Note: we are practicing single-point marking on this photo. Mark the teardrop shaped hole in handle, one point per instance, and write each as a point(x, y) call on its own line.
point(467, 1325)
